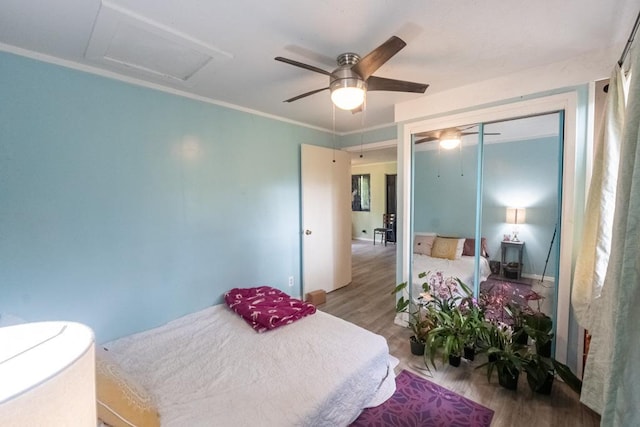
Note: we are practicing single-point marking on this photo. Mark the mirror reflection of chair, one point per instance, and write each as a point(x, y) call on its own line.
point(387, 231)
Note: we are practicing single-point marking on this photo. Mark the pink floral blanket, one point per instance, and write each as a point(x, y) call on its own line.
point(266, 308)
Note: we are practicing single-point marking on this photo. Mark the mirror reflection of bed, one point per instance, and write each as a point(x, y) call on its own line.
point(458, 197)
point(452, 255)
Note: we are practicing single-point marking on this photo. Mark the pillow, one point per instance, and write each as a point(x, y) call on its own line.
point(470, 247)
point(447, 248)
point(422, 244)
point(120, 400)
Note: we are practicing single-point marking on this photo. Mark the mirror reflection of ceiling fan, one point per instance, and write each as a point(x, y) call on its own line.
point(449, 138)
point(349, 82)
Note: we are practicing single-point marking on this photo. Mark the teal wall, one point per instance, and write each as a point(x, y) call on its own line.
point(445, 192)
point(123, 207)
point(518, 173)
point(523, 174)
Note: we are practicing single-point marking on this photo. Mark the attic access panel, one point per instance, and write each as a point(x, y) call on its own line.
point(129, 42)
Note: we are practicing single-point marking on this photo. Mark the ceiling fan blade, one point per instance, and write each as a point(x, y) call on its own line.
point(295, 98)
point(426, 139)
point(381, 83)
point(301, 65)
point(475, 133)
point(377, 57)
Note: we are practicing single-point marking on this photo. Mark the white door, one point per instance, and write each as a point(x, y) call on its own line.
point(326, 218)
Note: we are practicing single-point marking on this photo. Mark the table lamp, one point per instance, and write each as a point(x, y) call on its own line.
point(515, 216)
point(47, 375)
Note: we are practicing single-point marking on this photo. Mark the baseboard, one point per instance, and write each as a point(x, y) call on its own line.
point(538, 277)
point(366, 239)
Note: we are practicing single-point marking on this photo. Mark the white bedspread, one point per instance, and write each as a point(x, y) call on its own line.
point(210, 368)
point(462, 268)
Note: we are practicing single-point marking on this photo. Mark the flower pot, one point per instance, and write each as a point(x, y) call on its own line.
point(544, 350)
point(454, 360)
point(548, 384)
point(417, 347)
point(469, 353)
point(520, 336)
point(508, 381)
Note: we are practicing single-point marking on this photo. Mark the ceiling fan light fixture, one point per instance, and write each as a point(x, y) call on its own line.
point(348, 94)
point(450, 140)
point(450, 143)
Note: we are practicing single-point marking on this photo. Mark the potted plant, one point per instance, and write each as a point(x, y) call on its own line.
point(540, 372)
point(450, 336)
point(506, 356)
point(452, 307)
point(538, 326)
point(517, 314)
point(474, 326)
point(420, 319)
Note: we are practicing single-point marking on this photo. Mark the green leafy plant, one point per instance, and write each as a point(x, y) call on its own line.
point(505, 355)
point(450, 335)
point(457, 318)
point(539, 326)
point(538, 368)
point(421, 318)
point(475, 321)
point(567, 376)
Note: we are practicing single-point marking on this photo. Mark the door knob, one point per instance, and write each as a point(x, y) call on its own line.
point(307, 232)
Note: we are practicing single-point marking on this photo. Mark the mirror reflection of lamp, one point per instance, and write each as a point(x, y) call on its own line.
point(516, 216)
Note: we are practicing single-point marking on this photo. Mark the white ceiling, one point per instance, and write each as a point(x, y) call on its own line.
point(224, 50)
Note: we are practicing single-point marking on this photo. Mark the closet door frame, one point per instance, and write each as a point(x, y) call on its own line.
point(566, 102)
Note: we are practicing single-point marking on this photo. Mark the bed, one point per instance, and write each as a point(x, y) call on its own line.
point(212, 368)
point(455, 257)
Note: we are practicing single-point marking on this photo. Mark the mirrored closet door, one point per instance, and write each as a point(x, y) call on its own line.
point(486, 209)
point(521, 175)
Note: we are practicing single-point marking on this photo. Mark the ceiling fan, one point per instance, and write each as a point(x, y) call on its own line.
point(449, 138)
point(349, 82)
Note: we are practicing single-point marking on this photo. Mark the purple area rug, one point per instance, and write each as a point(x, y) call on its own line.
point(419, 402)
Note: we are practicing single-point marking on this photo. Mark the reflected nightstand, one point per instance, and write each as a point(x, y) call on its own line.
point(505, 246)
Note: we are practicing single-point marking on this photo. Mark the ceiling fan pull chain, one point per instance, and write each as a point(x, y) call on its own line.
point(333, 120)
point(460, 153)
point(362, 121)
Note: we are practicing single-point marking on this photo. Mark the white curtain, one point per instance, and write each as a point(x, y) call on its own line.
point(612, 373)
point(593, 257)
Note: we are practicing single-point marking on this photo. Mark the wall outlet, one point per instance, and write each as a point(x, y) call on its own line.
point(291, 281)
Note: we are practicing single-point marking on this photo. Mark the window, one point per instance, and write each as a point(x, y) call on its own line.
point(360, 193)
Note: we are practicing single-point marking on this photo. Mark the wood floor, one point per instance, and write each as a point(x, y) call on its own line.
point(368, 302)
